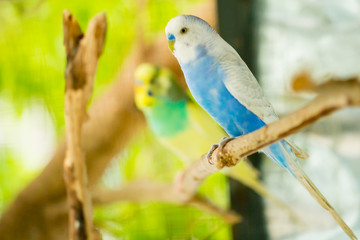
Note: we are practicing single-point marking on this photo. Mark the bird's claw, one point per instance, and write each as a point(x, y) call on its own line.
point(209, 154)
point(221, 146)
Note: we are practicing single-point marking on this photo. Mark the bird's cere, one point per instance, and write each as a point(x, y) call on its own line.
point(170, 37)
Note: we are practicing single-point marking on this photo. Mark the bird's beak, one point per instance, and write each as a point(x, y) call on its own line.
point(171, 41)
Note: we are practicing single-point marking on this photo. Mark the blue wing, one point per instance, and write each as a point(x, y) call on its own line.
point(242, 85)
point(207, 82)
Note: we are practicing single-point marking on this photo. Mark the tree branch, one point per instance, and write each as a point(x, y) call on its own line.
point(144, 191)
point(82, 56)
point(332, 96)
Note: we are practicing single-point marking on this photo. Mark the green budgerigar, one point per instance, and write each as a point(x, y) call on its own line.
point(181, 125)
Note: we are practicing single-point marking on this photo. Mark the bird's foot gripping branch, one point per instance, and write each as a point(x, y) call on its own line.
point(223, 158)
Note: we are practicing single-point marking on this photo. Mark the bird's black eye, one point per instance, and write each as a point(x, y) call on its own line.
point(183, 30)
point(150, 93)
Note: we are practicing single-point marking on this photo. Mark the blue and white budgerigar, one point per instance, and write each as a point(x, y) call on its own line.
point(223, 85)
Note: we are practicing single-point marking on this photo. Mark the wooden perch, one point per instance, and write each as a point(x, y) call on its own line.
point(82, 54)
point(332, 96)
point(144, 191)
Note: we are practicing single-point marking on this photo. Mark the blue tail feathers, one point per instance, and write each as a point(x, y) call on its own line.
point(282, 154)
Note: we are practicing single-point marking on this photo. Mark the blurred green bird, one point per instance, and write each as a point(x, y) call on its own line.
point(182, 126)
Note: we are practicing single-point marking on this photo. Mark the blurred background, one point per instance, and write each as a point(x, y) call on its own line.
point(276, 39)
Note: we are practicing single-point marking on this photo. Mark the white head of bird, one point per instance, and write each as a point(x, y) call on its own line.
point(185, 32)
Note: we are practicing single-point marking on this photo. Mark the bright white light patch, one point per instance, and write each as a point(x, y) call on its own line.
point(31, 137)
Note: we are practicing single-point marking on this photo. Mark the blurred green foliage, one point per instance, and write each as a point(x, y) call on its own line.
point(32, 63)
point(32, 58)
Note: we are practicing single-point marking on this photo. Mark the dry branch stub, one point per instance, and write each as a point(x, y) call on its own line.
point(82, 54)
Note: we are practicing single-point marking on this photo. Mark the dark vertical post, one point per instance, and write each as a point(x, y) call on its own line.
point(237, 24)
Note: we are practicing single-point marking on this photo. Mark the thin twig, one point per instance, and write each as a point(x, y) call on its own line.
point(144, 191)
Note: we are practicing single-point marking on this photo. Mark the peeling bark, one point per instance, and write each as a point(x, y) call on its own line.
point(82, 55)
